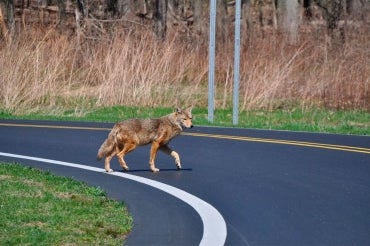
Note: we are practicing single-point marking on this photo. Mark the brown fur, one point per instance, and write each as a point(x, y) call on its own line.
point(127, 135)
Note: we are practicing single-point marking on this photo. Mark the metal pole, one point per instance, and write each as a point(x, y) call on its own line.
point(236, 62)
point(211, 73)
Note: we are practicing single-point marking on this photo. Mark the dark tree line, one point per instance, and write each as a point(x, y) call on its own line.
point(194, 15)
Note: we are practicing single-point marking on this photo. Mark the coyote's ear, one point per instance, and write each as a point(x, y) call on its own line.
point(178, 111)
point(189, 109)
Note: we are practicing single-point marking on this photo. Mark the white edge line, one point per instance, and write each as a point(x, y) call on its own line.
point(214, 226)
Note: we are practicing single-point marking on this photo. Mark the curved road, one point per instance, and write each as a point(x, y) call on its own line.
point(269, 187)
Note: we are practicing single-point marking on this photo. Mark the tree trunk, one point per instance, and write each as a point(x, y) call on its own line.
point(62, 13)
point(289, 18)
point(10, 16)
point(3, 28)
point(81, 8)
point(222, 20)
point(247, 24)
point(173, 12)
point(198, 21)
point(332, 12)
point(160, 18)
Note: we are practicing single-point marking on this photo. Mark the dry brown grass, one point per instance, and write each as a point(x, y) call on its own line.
point(42, 69)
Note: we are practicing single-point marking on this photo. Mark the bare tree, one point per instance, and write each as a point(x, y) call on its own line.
point(174, 11)
point(3, 28)
point(61, 13)
point(289, 18)
point(222, 21)
point(7, 21)
point(198, 20)
point(333, 11)
point(81, 8)
point(160, 18)
point(247, 23)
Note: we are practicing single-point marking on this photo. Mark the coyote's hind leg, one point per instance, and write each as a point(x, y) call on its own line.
point(127, 148)
point(107, 162)
point(122, 162)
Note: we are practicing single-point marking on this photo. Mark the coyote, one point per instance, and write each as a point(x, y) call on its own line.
point(127, 135)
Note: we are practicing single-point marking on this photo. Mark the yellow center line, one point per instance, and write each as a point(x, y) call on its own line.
point(207, 135)
point(287, 142)
point(57, 127)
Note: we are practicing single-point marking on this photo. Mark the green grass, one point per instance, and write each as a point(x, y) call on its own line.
point(295, 118)
point(38, 208)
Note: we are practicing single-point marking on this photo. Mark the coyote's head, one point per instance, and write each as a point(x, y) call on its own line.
point(184, 117)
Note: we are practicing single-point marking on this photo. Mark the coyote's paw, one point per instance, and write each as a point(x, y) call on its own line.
point(154, 169)
point(109, 171)
point(178, 166)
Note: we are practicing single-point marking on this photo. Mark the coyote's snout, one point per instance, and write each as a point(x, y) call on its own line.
point(127, 135)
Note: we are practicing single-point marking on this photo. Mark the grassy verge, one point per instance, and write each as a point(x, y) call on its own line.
point(38, 208)
point(295, 119)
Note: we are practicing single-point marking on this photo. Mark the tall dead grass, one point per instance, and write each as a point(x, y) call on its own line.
point(276, 74)
point(142, 71)
point(47, 70)
point(36, 71)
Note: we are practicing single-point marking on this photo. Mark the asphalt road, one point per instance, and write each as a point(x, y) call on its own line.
point(270, 187)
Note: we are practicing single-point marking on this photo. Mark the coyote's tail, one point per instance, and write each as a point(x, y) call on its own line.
point(107, 147)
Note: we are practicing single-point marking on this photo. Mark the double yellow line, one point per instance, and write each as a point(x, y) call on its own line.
point(287, 142)
point(228, 137)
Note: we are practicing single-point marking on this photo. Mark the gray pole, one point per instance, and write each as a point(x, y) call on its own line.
point(236, 62)
point(211, 72)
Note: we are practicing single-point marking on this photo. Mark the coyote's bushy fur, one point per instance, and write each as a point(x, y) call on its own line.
point(127, 135)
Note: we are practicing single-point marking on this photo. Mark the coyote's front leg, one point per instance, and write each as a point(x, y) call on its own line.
point(174, 154)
